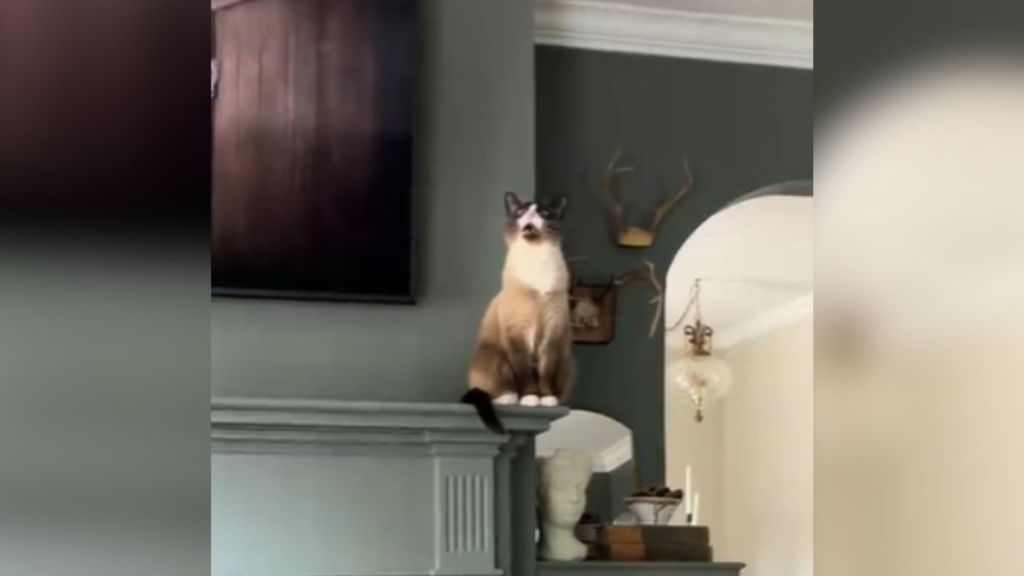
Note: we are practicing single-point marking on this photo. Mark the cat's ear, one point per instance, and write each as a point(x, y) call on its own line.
point(512, 203)
point(558, 206)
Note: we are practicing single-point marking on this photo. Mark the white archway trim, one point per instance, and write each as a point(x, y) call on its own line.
point(608, 442)
point(765, 322)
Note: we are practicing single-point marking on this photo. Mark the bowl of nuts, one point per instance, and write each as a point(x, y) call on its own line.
point(654, 505)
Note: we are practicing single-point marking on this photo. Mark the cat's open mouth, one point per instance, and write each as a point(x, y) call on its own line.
point(530, 232)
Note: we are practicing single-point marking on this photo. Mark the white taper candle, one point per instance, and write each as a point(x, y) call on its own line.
point(687, 496)
point(696, 509)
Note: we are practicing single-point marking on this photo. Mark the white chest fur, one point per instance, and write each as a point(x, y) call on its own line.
point(537, 265)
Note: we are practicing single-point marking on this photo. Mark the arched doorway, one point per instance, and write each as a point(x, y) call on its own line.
point(752, 456)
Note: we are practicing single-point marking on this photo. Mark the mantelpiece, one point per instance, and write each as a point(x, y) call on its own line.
point(639, 568)
point(338, 488)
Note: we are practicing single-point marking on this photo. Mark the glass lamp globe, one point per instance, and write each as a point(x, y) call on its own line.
point(702, 376)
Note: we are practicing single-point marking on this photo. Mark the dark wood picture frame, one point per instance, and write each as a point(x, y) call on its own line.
point(313, 109)
point(594, 324)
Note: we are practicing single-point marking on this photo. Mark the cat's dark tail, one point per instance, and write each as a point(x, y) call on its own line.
point(485, 408)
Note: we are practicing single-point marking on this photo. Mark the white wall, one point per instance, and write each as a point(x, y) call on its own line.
point(919, 461)
point(767, 458)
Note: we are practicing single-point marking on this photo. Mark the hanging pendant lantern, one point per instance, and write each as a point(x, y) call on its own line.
point(701, 375)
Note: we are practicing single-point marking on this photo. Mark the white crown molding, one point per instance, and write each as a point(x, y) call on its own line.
point(678, 33)
point(766, 322)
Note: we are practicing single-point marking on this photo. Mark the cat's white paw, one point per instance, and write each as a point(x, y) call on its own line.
point(529, 400)
point(507, 399)
point(548, 401)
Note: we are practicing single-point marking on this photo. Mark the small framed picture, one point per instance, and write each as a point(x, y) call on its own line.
point(592, 313)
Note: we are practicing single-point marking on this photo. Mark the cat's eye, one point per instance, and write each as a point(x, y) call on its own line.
point(544, 213)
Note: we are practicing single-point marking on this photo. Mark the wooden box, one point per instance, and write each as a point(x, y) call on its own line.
point(647, 543)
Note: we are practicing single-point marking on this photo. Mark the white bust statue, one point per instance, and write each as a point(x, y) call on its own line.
point(563, 479)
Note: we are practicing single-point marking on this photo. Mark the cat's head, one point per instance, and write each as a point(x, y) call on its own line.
point(533, 221)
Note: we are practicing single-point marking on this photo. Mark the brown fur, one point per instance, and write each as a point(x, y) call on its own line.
point(525, 342)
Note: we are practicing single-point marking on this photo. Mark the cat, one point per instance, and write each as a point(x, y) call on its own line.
point(524, 349)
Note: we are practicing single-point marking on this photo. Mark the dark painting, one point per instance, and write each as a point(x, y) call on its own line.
point(312, 148)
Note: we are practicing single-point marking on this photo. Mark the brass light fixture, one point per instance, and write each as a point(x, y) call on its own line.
point(698, 372)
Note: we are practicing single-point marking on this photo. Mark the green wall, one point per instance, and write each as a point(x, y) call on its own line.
point(742, 127)
point(475, 140)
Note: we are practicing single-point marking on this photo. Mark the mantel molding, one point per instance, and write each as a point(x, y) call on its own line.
point(676, 33)
point(265, 423)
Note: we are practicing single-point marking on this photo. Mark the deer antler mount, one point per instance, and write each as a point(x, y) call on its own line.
point(592, 305)
point(645, 275)
point(636, 236)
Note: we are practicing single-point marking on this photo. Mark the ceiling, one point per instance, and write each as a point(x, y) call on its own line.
point(801, 10)
point(755, 262)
